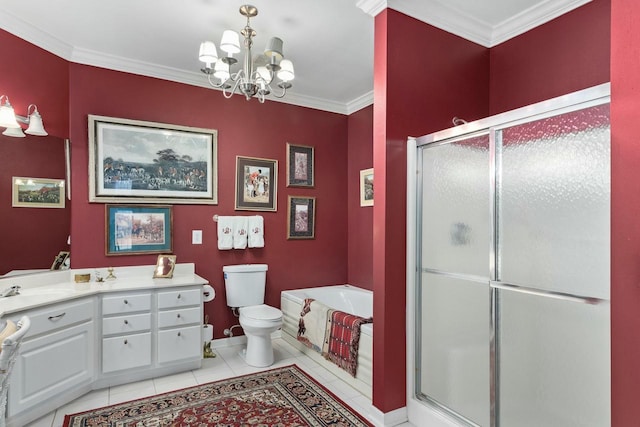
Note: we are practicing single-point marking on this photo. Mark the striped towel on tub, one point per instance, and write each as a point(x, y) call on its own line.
point(344, 339)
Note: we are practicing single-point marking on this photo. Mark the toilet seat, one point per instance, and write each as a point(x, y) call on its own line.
point(261, 312)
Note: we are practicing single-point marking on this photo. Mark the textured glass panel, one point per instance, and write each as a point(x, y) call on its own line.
point(553, 203)
point(455, 206)
point(455, 353)
point(554, 362)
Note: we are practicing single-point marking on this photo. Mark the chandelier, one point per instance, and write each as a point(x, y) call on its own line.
point(257, 76)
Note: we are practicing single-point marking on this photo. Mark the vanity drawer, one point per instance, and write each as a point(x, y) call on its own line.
point(59, 316)
point(126, 303)
point(126, 324)
point(179, 344)
point(180, 317)
point(179, 298)
point(131, 351)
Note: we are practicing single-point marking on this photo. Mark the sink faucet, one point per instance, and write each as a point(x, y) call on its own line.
point(11, 291)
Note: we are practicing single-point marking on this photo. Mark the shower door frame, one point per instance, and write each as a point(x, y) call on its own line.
point(424, 409)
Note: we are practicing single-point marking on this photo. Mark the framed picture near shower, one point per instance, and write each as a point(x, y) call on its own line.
point(256, 184)
point(300, 168)
point(366, 187)
point(302, 217)
point(132, 161)
point(136, 229)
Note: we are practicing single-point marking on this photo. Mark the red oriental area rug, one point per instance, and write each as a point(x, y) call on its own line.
point(282, 397)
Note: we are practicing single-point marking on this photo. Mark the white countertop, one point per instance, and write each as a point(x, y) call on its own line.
point(50, 287)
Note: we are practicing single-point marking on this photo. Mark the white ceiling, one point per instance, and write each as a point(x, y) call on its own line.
point(329, 41)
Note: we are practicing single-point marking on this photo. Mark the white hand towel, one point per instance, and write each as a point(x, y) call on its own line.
point(240, 232)
point(225, 232)
point(256, 231)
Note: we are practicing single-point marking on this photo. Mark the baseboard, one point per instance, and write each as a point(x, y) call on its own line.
point(388, 419)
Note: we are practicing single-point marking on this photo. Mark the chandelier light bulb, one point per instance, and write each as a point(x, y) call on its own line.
point(230, 42)
point(221, 70)
point(208, 53)
point(286, 73)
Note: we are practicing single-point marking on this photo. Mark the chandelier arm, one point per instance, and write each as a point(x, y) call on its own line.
point(212, 83)
point(282, 94)
point(235, 86)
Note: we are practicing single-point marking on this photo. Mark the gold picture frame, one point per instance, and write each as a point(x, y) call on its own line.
point(164, 267)
point(37, 192)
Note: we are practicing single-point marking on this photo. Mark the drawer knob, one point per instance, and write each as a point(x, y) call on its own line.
point(126, 342)
point(179, 334)
point(126, 322)
point(179, 296)
point(178, 315)
point(126, 302)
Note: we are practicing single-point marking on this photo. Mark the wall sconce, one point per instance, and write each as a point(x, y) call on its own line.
point(10, 120)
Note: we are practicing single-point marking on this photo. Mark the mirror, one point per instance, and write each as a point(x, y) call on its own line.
point(32, 237)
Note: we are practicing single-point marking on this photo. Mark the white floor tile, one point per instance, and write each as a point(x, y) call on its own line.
point(227, 363)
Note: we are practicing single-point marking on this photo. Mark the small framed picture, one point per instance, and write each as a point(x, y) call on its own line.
point(38, 193)
point(256, 184)
point(59, 263)
point(135, 229)
point(300, 168)
point(366, 187)
point(164, 267)
point(302, 217)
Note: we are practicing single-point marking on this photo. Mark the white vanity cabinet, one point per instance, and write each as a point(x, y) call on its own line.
point(85, 337)
point(126, 331)
point(56, 359)
point(150, 333)
point(179, 325)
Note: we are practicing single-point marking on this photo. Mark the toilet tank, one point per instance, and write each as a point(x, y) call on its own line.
point(244, 284)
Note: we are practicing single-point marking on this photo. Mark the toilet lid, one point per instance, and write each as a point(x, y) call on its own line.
point(261, 312)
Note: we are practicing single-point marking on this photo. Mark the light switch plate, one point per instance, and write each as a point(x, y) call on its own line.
point(196, 237)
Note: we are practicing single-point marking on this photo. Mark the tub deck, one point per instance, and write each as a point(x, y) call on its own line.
point(340, 297)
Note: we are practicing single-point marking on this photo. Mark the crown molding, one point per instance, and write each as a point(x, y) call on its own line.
point(127, 65)
point(441, 15)
point(533, 17)
point(18, 27)
point(359, 103)
point(372, 7)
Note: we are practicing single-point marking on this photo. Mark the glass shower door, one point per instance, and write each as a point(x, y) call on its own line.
point(454, 298)
point(512, 296)
point(552, 205)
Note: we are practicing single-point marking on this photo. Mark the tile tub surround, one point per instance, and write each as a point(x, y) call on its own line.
point(347, 298)
point(40, 289)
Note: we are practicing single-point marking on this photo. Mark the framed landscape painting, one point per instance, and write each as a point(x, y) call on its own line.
point(300, 166)
point(133, 229)
point(256, 184)
point(37, 192)
point(134, 161)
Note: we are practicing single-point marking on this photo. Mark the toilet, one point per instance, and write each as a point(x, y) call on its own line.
point(245, 285)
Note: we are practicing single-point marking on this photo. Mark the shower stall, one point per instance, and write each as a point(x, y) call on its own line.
point(508, 268)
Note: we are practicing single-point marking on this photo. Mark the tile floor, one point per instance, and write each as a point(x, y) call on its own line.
point(227, 364)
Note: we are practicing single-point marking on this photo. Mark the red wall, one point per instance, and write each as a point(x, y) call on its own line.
point(245, 128)
point(32, 237)
point(360, 225)
point(567, 54)
point(414, 95)
point(625, 205)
